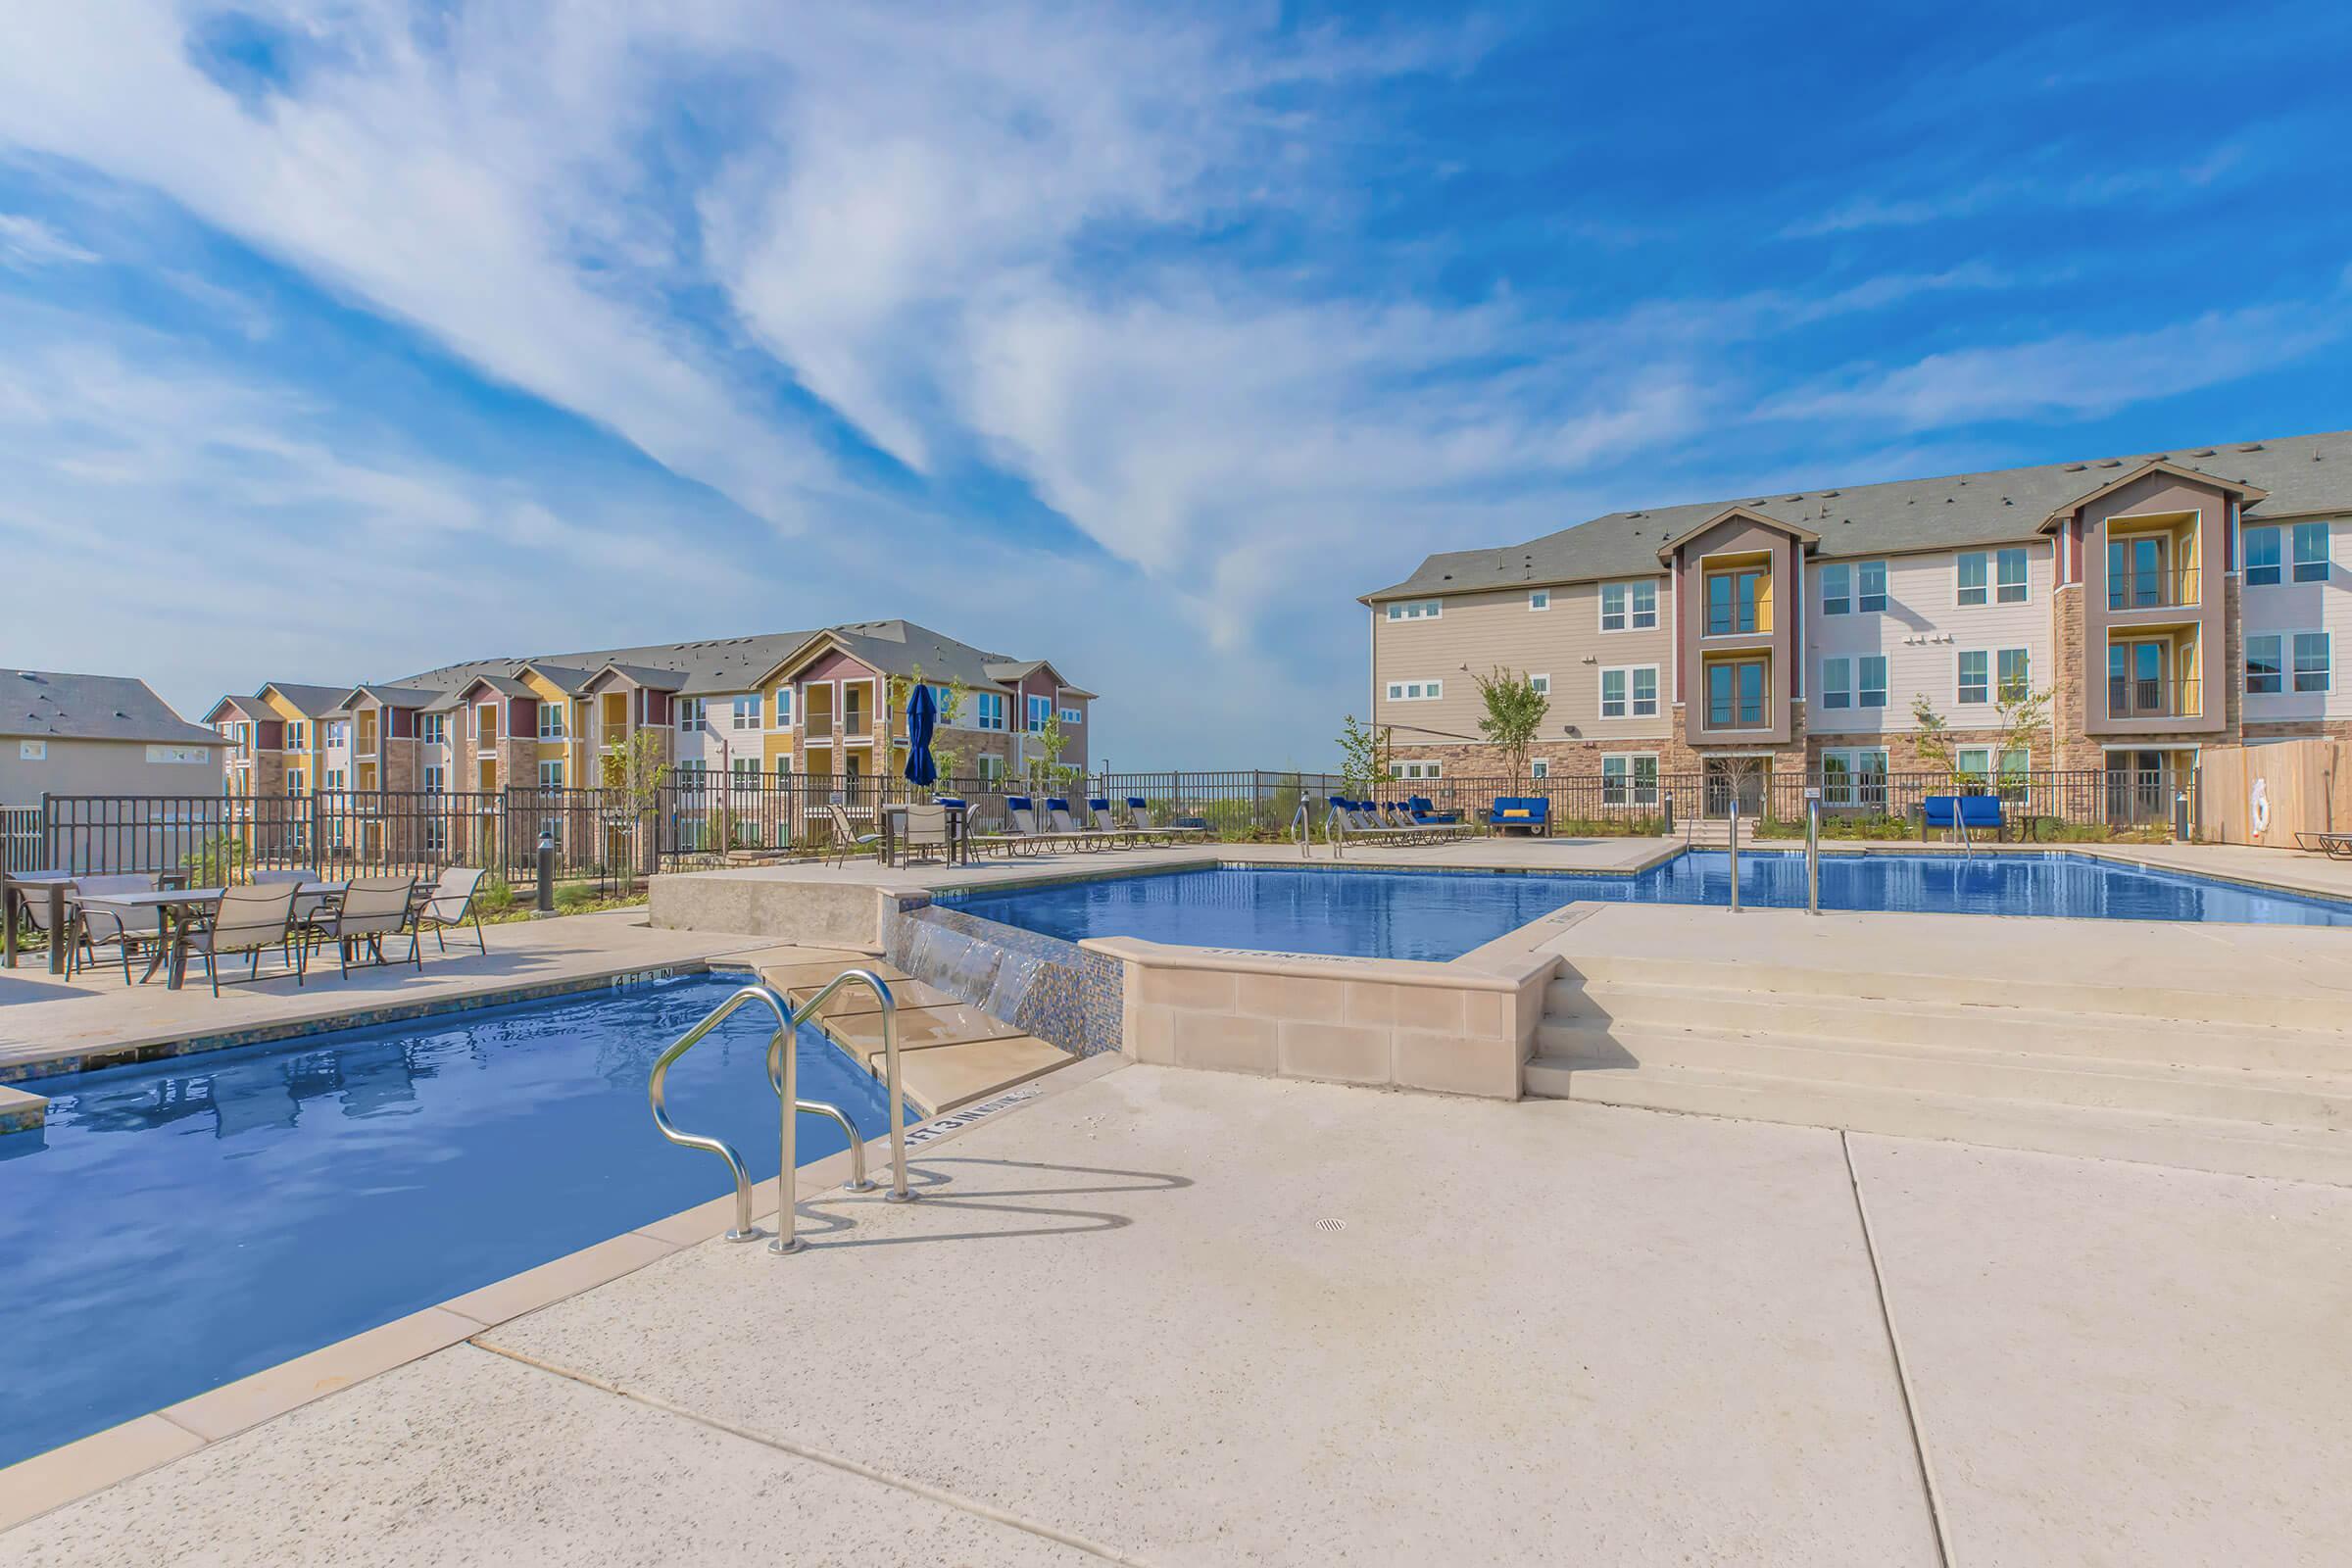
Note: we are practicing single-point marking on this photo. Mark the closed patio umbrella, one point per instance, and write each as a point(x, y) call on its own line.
point(923, 717)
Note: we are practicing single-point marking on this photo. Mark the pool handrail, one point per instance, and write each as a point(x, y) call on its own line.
point(784, 1075)
point(657, 1090)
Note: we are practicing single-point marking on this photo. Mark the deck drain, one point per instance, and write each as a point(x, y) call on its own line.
point(1331, 1227)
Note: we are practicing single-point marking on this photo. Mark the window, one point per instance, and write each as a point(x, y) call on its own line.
point(1975, 677)
point(1541, 684)
point(784, 767)
point(338, 730)
point(1417, 610)
point(2009, 569)
point(550, 721)
point(988, 709)
point(1854, 779)
point(747, 772)
point(2261, 550)
point(1629, 606)
point(551, 775)
point(298, 735)
point(1646, 691)
point(1071, 715)
point(1976, 762)
point(1870, 587)
point(2017, 678)
point(783, 708)
point(1735, 693)
point(1873, 680)
point(992, 769)
point(744, 713)
point(2310, 552)
point(2266, 670)
point(1423, 770)
point(690, 713)
point(485, 723)
point(1041, 711)
point(436, 779)
point(1972, 577)
point(1837, 590)
point(2312, 663)
point(690, 773)
point(1612, 693)
point(1539, 598)
point(1541, 767)
point(1836, 684)
point(1633, 690)
point(1629, 778)
point(1739, 601)
point(1415, 691)
point(434, 729)
point(294, 781)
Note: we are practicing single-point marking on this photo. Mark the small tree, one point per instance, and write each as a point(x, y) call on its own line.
point(1935, 739)
point(1514, 716)
point(1044, 767)
point(2018, 713)
point(634, 771)
point(1366, 754)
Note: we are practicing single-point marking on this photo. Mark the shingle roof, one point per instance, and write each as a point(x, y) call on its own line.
point(252, 708)
point(2304, 473)
point(312, 700)
point(93, 707)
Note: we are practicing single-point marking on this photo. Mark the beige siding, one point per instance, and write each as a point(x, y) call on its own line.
point(1922, 632)
point(104, 767)
point(2287, 607)
point(1481, 631)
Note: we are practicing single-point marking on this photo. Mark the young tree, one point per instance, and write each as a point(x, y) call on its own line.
point(1043, 765)
point(634, 771)
point(1935, 739)
point(2018, 715)
point(1365, 753)
point(1514, 716)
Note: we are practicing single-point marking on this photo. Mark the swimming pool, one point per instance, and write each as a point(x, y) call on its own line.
point(1443, 914)
point(186, 1222)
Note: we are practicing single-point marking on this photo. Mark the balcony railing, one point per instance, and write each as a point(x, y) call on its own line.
point(2162, 589)
point(856, 726)
point(2158, 697)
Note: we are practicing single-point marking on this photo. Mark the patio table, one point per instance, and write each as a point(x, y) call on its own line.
point(179, 906)
point(57, 887)
point(958, 833)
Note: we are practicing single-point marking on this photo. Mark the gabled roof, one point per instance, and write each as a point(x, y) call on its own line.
point(461, 695)
point(1737, 514)
point(2246, 494)
point(313, 701)
point(2301, 475)
point(903, 647)
point(1013, 671)
point(567, 678)
point(388, 696)
point(252, 708)
point(53, 705)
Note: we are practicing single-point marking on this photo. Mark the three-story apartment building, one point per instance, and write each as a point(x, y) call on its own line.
point(2163, 601)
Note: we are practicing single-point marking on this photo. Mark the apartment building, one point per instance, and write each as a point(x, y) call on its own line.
point(776, 704)
point(2164, 602)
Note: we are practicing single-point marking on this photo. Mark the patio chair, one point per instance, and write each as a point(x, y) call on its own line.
point(1425, 809)
point(250, 920)
point(100, 925)
point(926, 832)
point(1144, 815)
point(449, 902)
point(1063, 823)
point(846, 837)
point(1022, 811)
point(2335, 845)
point(372, 908)
point(1102, 820)
point(310, 908)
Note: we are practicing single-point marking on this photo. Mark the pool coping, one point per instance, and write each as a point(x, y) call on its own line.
point(45, 1482)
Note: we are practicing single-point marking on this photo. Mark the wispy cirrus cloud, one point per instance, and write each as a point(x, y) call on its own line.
point(27, 242)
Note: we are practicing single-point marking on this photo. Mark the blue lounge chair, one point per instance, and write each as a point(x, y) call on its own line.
point(1426, 809)
point(1520, 813)
point(1969, 813)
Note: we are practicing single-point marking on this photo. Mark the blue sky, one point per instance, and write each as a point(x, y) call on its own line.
point(340, 340)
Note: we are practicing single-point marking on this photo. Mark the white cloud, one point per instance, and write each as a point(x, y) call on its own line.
point(26, 243)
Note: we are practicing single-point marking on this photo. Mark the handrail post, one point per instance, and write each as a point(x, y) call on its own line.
point(1813, 853)
point(1735, 854)
point(785, 1045)
point(657, 1090)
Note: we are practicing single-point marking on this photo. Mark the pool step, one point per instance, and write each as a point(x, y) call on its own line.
point(1992, 992)
point(1573, 1008)
point(2036, 1075)
point(2189, 1143)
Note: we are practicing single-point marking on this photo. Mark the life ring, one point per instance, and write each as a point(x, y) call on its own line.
point(2258, 807)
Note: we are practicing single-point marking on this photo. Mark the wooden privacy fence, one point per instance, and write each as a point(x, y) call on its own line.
point(2301, 785)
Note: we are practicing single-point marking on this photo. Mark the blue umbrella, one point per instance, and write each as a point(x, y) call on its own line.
point(923, 717)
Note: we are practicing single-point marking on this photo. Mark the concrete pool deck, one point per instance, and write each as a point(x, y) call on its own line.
point(1167, 1317)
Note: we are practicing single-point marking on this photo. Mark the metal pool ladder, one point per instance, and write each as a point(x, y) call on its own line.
point(783, 1075)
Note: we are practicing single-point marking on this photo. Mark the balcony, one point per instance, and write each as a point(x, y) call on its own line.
point(2152, 588)
point(2154, 697)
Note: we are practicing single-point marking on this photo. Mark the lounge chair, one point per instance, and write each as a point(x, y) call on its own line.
point(250, 920)
point(1143, 816)
point(1426, 809)
point(372, 908)
point(100, 925)
point(1022, 812)
point(846, 837)
point(2335, 845)
point(449, 902)
point(1521, 813)
point(1058, 815)
point(1349, 818)
point(1103, 818)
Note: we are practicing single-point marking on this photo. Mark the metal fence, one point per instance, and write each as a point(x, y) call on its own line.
point(605, 836)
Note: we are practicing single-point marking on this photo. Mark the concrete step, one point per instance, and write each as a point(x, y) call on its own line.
point(1985, 1025)
point(2111, 998)
point(2267, 1097)
point(2192, 1142)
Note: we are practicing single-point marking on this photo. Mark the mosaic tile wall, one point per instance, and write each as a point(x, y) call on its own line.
point(1054, 990)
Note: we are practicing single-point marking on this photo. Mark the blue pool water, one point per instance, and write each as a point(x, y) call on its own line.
point(184, 1223)
point(1442, 914)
